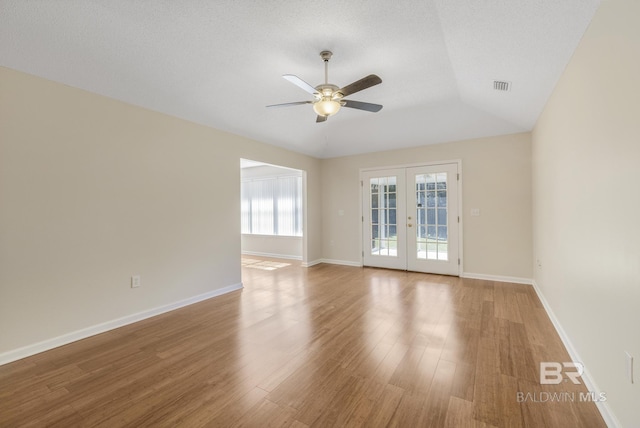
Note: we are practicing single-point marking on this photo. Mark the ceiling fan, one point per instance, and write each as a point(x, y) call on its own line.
point(328, 98)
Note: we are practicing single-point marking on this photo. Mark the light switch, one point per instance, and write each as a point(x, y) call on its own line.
point(475, 212)
point(136, 281)
point(340, 213)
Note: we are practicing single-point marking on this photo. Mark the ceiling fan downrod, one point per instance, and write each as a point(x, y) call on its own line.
point(326, 56)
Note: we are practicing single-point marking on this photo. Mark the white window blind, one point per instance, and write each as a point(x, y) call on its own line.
point(272, 206)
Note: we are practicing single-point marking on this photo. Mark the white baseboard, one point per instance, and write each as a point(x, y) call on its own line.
point(342, 262)
point(603, 407)
point(311, 263)
point(332, 262)
point(499, 278)
point(45, 345)
point(275, 256)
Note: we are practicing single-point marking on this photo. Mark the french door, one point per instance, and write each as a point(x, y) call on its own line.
point(410, 218)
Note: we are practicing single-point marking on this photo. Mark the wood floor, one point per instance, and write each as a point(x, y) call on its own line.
point(327, 346)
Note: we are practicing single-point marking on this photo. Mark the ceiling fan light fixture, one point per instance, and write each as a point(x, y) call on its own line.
point(326, 107)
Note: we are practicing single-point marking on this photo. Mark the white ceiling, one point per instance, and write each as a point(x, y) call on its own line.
point(219, 63)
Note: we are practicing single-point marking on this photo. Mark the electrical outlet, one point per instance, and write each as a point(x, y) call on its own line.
point(629, 366)
point(136, 281)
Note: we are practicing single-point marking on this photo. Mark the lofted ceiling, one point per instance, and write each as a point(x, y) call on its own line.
point(219, 63)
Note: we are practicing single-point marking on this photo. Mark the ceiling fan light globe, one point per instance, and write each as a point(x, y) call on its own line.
point(326, 107)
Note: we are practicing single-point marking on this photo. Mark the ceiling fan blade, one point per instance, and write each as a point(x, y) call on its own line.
point(362, 106)
point(291, 104)
point(300, 83)
point(321, 119)
point(364, 83)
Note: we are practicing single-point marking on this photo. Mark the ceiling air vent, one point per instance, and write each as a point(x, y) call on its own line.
point(501, 85)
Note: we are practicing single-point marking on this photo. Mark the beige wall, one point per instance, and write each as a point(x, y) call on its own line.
point(586, 155)
point(93, 190)
point(496, 174)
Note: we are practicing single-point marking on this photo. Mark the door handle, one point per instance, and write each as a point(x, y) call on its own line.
point(409, 225)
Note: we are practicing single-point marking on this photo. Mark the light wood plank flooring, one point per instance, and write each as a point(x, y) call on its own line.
point(327, 346)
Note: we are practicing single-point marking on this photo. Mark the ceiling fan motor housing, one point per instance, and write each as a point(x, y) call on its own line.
point(328, 90)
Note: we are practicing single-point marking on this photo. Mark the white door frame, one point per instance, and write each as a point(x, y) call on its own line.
point(413, 165)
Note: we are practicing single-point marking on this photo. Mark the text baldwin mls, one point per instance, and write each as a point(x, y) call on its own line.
point(558, 397)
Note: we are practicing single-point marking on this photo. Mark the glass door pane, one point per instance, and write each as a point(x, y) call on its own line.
point(384, 229)
point(430, 208)
point(383, 216)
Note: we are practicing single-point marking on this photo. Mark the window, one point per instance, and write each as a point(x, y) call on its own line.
point(272, 206)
